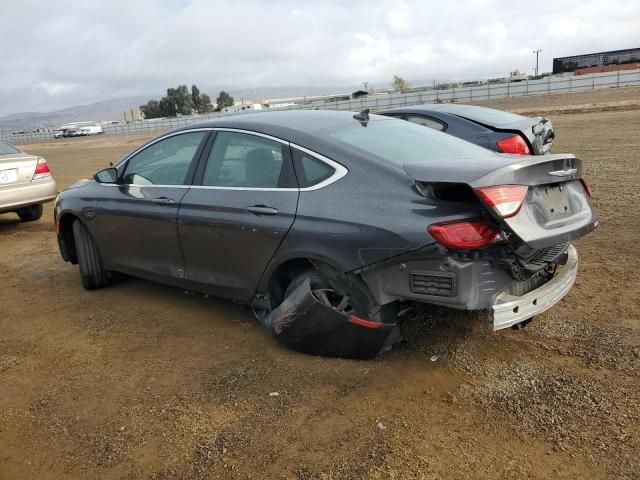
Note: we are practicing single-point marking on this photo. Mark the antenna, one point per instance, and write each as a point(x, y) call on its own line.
point(362, 117)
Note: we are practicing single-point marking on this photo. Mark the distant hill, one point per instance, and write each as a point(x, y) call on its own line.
point(105, 110)
point(113, 109)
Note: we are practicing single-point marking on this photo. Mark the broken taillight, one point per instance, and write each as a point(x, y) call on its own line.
point(466, 234)
point(505, 200)
point(42, 169)
point(515, 144)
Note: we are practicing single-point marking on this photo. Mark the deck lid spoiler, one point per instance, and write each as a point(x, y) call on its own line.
point(498, 169)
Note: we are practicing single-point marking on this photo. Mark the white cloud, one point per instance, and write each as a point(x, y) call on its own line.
point(56, 57)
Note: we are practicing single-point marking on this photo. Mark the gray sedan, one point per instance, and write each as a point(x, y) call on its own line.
point(324, 222)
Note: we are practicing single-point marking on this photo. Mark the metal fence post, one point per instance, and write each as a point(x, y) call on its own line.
point(548, 84)
point(508, 86)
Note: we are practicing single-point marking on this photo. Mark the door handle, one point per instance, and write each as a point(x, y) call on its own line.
point(163, 201)
point(262, 210)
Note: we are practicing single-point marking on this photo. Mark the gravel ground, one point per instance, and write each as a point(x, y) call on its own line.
point(144, 381)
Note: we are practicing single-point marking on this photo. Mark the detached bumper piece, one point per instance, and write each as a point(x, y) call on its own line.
point(304, 324)
point(509, 309)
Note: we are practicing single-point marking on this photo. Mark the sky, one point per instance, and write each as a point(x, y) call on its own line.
point(56, 55)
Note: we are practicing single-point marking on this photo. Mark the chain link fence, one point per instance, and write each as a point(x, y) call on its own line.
point(546, 85)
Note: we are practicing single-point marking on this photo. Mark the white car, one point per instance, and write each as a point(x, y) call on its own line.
point(25, 183)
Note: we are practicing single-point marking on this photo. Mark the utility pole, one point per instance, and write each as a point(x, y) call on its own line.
point(537, 52)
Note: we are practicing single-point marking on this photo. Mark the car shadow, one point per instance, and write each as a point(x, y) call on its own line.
point(10, 225)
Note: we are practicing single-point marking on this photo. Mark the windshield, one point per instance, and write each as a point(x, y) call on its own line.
point(487, 116)
point(403, 142)
point(6, 149)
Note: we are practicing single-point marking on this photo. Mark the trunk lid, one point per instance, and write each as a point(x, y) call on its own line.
point(16, 169)
point(556, 208)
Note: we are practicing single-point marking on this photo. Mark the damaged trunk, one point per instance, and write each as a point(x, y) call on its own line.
point(555, 207)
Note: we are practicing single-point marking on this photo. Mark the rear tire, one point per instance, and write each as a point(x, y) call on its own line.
point(319, 333)
point(358, 301)
point(92, 272)
point(30, 214)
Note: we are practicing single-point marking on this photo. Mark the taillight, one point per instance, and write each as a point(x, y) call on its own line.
point(515, 144)
point(586, 187)
point(42, 169)
point(505, 200)
point(466, 234)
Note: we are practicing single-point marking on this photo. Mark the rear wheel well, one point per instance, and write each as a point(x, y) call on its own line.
point(283, 275)
point(66, 238)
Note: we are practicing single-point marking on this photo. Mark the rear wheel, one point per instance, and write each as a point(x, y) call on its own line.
point(350, 299)
point(92, 272)
point(30, 214)
point(322, 333)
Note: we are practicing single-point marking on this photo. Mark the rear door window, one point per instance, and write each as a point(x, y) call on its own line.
point(165, 162)
point(244, 160)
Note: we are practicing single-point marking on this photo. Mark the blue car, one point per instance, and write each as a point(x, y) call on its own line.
point(503, 132)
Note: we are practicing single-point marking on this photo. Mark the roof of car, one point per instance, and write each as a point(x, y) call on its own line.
point(306, 121)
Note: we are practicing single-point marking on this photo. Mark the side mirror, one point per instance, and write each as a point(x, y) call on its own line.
point(107, 175)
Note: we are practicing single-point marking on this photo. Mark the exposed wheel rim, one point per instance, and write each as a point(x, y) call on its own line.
point(338, 302)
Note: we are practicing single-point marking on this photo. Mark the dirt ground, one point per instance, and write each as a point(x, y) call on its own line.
point(139, 380)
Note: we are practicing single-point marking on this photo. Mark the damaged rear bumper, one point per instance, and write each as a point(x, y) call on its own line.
point(304, 324)
point(509, 310)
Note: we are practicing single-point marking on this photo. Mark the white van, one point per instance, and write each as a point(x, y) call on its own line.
point(91, 130)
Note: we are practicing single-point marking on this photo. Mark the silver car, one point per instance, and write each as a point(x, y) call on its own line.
point(25, 183)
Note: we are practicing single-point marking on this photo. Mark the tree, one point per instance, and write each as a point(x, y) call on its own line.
point(196, 99)
point(167, 107)
point(400, 84)
point(224, 100)
point(205, 104)
point(151, 109)
point(179, 101)
point(182, 99)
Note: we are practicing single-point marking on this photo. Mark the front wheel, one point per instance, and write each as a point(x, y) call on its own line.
point(30, 214)
point(92, 271)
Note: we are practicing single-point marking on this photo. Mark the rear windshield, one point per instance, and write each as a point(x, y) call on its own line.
point(6, 149)
point(403, 142)
point(487, 116)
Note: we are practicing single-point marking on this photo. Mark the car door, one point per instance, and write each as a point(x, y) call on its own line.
point(240, 208)
point(136, 219)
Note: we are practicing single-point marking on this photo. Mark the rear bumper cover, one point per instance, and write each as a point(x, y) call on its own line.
point(38, 191)
point(509, 310)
